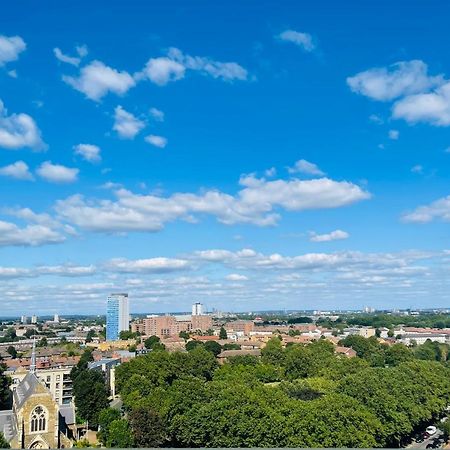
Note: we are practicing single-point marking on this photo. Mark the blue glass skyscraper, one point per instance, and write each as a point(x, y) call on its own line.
point(117, 316)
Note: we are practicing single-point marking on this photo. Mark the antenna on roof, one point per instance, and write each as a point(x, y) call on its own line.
point(33, 357)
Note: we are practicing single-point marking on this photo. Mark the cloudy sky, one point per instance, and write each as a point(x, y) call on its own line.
point(249, 155)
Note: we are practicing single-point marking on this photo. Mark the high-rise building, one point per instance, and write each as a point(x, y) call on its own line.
point(24, 319)
point(197, 309)
point(34, 319)
point(56, 318)
point(117, 316)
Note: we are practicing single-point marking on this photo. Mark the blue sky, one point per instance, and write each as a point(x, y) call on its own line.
point(248, 155)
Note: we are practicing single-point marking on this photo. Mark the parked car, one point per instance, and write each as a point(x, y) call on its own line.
point(431, 430)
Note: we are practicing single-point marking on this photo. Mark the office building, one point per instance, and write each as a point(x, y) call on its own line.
point(197, 309)
point(117, 316)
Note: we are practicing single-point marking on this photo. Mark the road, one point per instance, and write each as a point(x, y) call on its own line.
point(430, 440)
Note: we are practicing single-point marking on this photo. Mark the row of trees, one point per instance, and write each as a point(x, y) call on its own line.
point(299, 396)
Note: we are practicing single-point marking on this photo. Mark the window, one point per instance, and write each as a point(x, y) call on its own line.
point(38, 421)
point(57, 377)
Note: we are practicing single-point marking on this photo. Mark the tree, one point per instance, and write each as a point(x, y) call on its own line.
point(82, 364)
point(90, 335)
point(3, 442)
point(151, 342)
point(213, 347)
point(5, 392)
point(43, 342)
point(190, 345)
point(273, 353)
point(119, 434)
point(105, 418)
point(148, 427)
point(12, 351)
point(223, 333)
point(184, 335)
point(127, 334)
point(91, 395)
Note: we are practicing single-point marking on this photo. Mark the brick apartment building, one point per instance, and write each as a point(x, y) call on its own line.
point(166, 326)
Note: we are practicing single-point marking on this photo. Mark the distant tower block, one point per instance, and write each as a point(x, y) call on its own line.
point(117, 316)
point(197, 309)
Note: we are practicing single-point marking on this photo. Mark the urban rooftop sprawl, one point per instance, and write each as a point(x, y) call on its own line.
point(102, 370)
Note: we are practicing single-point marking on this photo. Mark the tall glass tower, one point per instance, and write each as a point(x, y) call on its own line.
point(117, 316)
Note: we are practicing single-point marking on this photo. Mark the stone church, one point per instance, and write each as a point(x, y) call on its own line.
point(36, 420)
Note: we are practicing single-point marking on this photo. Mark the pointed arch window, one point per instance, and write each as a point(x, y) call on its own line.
point(38, 420)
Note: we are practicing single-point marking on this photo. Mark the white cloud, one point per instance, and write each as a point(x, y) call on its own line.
point(157, 141)
point(96, 80)
point(88, 152)
point(126, 124)
point(19, 131)
point(10, 48)
point(73, 60)
point(417, 169)
point(400, 79)
point(270, 172)
point(306, 167)
point(157, 114)
point(374, 118)
point(236, 277)
point(432, 107)
point(12, 73)
point(30, 235)
point(56, 173)
point(303, 40)
point(394, 134)
point(18, 170)
point(437, 210)
point(162, 70)
point(256, 203)
point(335, 235)
point(152, 265)
point(173, 67)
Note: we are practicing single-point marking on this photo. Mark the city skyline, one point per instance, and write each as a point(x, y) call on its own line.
point(247, 157)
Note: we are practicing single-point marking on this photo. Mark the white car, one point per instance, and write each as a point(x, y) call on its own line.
point(431, 430)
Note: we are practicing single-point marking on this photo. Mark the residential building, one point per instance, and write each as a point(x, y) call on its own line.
point(168, 326)
point(117, 316)
point(197, 309)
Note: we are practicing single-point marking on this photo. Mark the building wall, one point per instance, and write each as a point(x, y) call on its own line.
point(167, 326)
point(117, 316)
point(57, 381)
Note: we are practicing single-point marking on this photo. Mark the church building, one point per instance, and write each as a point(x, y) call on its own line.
point(36, 420)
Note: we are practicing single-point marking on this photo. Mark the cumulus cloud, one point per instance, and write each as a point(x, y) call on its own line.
point(335, 235)
point(19, 131)
point(303, 40)
point(56, 173)
point(89, 152)
point(157, 114)
point(126, 124)
point(96, 80)
point(256, 203)
point(30, 235)
point(417, 169)
point(173, 67)
point(10, 48)
point(151, 265)
point(399, 79)
point(157, 141)
point(394, 135)
point(73, 60)
point(432, 107)
point(18, 170)
point(306, 167)
point(437, 210)
point(236, 277)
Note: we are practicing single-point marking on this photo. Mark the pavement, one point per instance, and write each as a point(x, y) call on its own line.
point(430, 440)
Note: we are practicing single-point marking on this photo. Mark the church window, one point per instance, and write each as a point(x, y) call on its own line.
point(38, 420)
